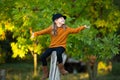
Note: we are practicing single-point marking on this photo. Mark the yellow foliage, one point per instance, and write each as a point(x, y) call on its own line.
point(17, 51)
point(1, 30)
point(9, 26)
point(2, 36)
point(103, 67)
point(101, 23)
point(2, 33)
point(36, 48)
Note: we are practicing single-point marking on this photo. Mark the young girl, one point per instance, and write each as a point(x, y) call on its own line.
point(58, 33)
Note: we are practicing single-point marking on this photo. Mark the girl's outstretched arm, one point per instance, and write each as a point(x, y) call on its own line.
point(41, 32)
point(76, 30)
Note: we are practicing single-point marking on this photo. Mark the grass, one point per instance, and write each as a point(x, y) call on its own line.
point(24, 71)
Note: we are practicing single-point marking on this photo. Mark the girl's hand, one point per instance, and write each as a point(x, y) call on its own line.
point(31, 32)
point(32, 36)
point(86, 26)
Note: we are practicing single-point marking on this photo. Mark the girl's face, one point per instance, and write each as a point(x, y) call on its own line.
point(60, 20)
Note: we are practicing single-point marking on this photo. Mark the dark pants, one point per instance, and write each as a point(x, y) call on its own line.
point(47, 53)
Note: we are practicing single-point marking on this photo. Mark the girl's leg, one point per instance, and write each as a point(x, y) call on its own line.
point(44, 63)
point(59, 51)
point(46, 54)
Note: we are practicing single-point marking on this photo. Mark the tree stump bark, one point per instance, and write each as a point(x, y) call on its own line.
point(54, 70)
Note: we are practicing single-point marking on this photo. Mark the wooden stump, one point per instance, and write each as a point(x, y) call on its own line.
point(54, 71)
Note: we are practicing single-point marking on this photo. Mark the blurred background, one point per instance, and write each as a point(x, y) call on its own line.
point(92, 54)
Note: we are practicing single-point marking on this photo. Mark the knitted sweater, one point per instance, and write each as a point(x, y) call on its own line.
point(61, 37)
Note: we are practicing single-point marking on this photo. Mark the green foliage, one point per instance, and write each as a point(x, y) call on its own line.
point(19, 16)
point(89, 43)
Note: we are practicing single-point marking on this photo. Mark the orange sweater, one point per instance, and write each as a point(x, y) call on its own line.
point(61, 37)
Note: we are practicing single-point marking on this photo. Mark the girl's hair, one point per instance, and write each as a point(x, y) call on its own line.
point(54, 28)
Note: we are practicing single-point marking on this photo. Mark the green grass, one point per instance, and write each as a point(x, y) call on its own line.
point(18, 71)
point(24, 71)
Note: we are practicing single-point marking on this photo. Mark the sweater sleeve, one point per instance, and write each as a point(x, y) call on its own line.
point(76, 30)
point(44, 31)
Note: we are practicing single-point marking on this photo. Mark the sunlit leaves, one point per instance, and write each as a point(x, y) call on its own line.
point(18, 50)
point(5, 26)
point(1, 29)
point(19, 16)
point(101, 23)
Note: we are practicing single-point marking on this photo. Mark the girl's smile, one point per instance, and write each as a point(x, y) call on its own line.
point(60, 21)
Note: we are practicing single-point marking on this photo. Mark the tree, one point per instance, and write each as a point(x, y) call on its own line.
point(19, 16)
point(93, 49)
point(98, 43)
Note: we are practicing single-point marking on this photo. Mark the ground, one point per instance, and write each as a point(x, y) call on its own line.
point(24, 71)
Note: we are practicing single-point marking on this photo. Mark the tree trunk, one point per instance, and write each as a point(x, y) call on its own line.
point(92, 70)
point(35, 64)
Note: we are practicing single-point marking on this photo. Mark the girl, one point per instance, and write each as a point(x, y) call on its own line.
point(58, 33)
